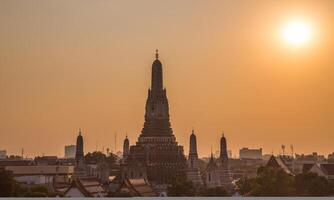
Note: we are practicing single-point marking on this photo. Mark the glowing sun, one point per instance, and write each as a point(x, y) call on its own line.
point(297, 33)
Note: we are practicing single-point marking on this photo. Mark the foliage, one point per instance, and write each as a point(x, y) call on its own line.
point(10, 188)
point(275, 182)
point(310, 184)
point(97, 156)
point(181, 188)
point(214, 192)
point(268, 182)
point(7, 183)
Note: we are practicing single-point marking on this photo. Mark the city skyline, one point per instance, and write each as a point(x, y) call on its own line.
point(218, 72)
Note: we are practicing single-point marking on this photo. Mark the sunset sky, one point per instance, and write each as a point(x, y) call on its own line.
point(66, 65)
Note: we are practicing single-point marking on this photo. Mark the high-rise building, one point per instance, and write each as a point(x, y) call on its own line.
point(70, 151)
point(193, 173)
point(156, 155)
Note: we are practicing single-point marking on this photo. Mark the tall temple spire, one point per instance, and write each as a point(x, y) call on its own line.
point(157, 81)
point(193, 173)
point(157, 109)
point(156, 54)
point(193, 143)
point(79, 157)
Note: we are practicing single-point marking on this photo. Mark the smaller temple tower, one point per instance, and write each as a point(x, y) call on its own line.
point(193, 173)
point(225, 178)
point(79, 169)
point(126, 147)
point(211, 175)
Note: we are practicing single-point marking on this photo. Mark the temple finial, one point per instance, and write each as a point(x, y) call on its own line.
point(222, 133)
point(192, 130)
point(156, 54)
point(79, 131)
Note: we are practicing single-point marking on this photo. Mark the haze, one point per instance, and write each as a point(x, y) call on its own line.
point(66, 65)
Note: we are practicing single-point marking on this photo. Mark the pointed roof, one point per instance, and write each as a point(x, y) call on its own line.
point(277, 162)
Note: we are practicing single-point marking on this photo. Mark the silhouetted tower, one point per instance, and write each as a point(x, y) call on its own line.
point(79, 169)
point(126, 147)
point(193, 173)
point(225, 178)
point(79, 154)
point(156, 155)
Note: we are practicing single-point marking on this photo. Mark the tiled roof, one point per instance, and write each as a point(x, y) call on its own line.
point(89, 187)
point(137, 187)
point(40, 170)
point(328, 168)
point(307, 167)
point(16, 162)
point(277, 162)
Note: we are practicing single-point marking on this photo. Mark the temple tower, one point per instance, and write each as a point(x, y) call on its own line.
point(79, 168)
point(156, 155)
point(193, 173)
point(126, 147)
point(225, 178)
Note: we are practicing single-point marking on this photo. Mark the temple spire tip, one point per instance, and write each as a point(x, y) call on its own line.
point(156, 54)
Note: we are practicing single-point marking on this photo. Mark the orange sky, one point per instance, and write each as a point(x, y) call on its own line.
point(70, 64)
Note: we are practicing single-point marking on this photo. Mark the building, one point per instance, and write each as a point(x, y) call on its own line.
point(225, 177)
point(3, 154)
point(84, 187)
point(40, 174)
point(70, 151)
point(217, 172)
point(126, 148)
point(46, 160)
point(16, 162)
point(246, 153)
point(278, 162)
point(331, 158)
point(135, 188)
point(193, 173)
point(211, 175)
point(156, 155)
point(302, 159)
point(324, 170)
point(79, 169)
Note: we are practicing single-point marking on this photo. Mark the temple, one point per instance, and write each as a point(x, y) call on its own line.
point(193, 172)
point(156, 156)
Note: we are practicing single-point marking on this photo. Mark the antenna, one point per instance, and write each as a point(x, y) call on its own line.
point(115, 141)
point(283, 149)
point(22, 151)
point(292, 153)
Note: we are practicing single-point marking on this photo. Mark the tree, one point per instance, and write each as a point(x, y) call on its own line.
point(268, 182)
point(214, 192)
point(97, 156)
point(181, 188)
point(10, 188)
point(7, 183)
point(310, 184)
point(244, 185)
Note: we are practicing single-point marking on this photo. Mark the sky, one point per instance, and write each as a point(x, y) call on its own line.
point(66, 65)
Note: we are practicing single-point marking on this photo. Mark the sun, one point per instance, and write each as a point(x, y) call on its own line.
point(297, 32)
